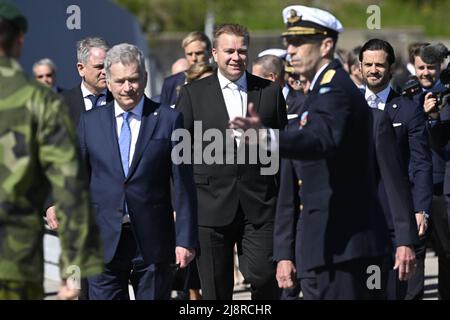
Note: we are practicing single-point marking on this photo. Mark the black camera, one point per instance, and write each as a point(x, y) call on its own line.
point(441, 99)
point(411, 87)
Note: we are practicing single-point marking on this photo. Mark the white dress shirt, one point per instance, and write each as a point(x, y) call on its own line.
point(235, 100)
point(134, 120)
point(87, 102)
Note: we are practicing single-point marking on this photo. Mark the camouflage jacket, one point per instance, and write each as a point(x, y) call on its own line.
point(38, 155)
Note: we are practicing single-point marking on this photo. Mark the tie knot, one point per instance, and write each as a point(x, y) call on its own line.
point(373, 97)
point(126, 116)
point(94, 98)
point(233, 86)
point(373, 100)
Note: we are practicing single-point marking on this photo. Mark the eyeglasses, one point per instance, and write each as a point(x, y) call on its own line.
point(48, 75)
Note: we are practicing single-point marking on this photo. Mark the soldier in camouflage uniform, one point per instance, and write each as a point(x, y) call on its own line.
point(38, 153)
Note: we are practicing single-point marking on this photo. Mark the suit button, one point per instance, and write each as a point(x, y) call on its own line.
point(300, 182)
point(300, 207)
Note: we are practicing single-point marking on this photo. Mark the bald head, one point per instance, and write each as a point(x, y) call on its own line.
point(180, 65)
point(269, 67)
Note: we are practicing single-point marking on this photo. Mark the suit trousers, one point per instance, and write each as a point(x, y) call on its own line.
point(255, 247)
point(349, 280)
point(149, 281)
point(416, 284)
point(441, 242)
point(395, 289)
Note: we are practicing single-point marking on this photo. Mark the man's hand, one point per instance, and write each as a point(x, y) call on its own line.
point(405, 262)
point(52, 221)
point(184, 256)
point(253, 121)
point(286, 274)
point(68, 290)
point(422, 223)
point(429, 105)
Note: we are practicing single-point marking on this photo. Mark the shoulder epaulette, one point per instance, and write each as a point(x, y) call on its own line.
point(328, 76)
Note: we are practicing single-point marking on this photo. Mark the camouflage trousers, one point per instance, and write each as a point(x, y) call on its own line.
point(21, 290)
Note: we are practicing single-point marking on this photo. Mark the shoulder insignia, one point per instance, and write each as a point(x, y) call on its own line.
point(328, 76)
point(324, 90)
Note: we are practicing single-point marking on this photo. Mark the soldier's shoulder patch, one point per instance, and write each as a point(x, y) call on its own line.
point(328, 76)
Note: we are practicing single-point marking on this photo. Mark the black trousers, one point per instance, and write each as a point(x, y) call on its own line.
point(349, 280)
point(215, 261)
point(441, 242)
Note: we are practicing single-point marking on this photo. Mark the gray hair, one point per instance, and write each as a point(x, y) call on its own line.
point(45, 62)
point(126, 54)
point(270, 64)
point(85, 45)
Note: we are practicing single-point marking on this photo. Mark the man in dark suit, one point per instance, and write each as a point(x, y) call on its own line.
point(408, 120)
point(344, 235)
point(127, 148)
point(288, 219)
point(197, 48)
point(91, 53)
point(236, 202)
point(428, 75)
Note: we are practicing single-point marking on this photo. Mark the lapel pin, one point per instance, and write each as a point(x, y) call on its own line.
point(155, 113)
point(394, 106)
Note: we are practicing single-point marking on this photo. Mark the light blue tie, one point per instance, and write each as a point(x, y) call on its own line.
point(125, 142)
point(373, 101)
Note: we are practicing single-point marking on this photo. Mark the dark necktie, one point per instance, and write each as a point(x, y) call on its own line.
point(94, 99)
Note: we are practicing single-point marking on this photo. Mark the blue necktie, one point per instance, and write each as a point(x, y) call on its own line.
point(94, 99)
point(125, 142)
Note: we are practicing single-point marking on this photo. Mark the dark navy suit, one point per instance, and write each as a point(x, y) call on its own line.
point(440, 218)
point(75, 101)
point(170, 88)
point(288, 219)
point(408, 120)
point(147, 192)
point(344, 230)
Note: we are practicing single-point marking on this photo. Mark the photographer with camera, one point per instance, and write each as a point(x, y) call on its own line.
point(427, 60)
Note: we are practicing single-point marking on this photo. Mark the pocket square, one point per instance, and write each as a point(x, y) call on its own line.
point(396, 125)
point(292, 116)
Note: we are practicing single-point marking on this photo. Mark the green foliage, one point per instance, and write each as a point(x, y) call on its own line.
point(185, 15)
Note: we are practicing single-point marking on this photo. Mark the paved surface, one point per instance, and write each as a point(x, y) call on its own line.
point(243, 293)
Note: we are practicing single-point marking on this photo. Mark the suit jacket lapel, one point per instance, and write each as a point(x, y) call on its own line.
point(253, 93)
point(150, 116)
point(389, 108)
point(218, 103)
point(108, 124)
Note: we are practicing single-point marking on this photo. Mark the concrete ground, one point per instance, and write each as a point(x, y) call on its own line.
point(242, 292)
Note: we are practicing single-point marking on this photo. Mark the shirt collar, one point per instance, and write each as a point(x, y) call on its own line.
point(241, 82)
point(313, 82)
point(86, 92)
point(382, 95)
point(136, 111)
